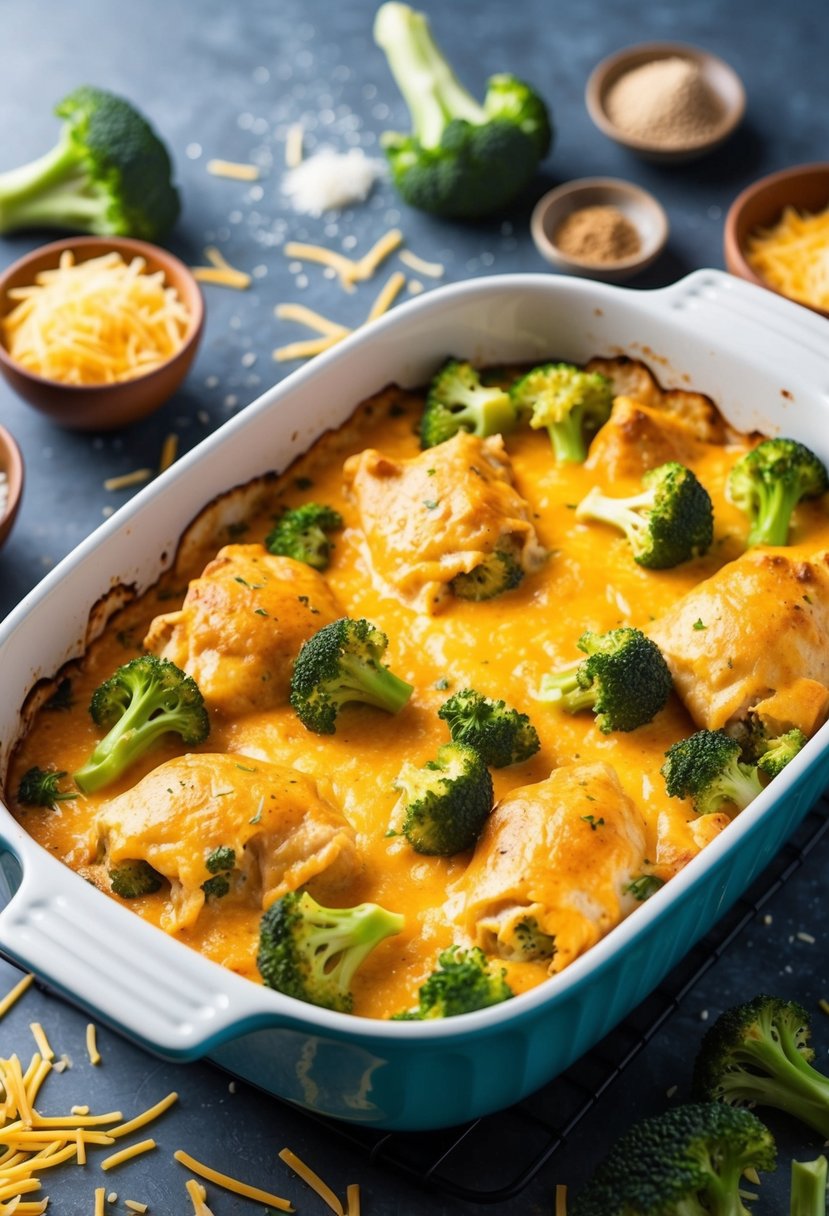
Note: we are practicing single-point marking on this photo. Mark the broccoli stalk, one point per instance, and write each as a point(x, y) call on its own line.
point(670, 522)
point(303, 534)
point(109, 174)
point(145, 699)
point(339, 665)
point(457, 401)
point(759, 1053)
point(624, 680)
point(500, 735)
point(312, 953)
point(808, 1193)
point(687, 1162)
point(499, 572)
point(41, 787)
point(572, 404)
point(461, 160)
point(707, 768)
point(768, 483)
point(462, 982)
point(443, 806)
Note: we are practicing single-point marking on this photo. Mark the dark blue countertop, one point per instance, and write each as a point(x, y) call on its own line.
point(227, 80)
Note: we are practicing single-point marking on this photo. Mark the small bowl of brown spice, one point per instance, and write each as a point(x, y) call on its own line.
point(600, 228)
point(666, 101)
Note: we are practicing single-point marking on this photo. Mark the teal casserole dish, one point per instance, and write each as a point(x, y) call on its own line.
point(762, 359)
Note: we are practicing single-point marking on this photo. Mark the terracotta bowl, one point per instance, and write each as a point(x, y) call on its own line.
point(636, 204)
point(109, 406)
point(721, 79)
point(11, 463)
point(760, 205)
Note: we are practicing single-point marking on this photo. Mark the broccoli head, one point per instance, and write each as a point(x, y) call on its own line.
point(462, 982)
point(671, 521)
point(145, 699)
point(775, 754)
point(808, 1192)
point(768, 483)
point(687, 1162)
point(443, 806)
point(312, 953)
point(458, 401)
point(758, 1053)
point(499, 572)
point(303, 533)
point(461, 160)
point(572, 404)
point(501, 735)
point(41, 787)
point(130, 879)
point(341, 664)
point(109, 174)
point(707, 768)
point(624, 680)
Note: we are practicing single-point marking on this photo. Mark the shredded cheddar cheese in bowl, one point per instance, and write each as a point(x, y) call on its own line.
point(100, 321)
point(792, 256)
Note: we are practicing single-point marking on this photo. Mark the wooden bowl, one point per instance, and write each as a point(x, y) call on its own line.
point(721, 79)
point(760, 205)
point(108, 406)
point(11, 463)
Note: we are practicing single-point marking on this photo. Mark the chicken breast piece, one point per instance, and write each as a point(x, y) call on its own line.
point(283, 833)
point(753, 641)
point(241, 625)
point(441, 514)
point(636, 438)
point(678, 841)
point(632, 379)
point(549, 874)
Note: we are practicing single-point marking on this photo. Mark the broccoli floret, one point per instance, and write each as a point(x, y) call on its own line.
point(312, 953)
point(687, 1162)
point(463, 981)
point(522, 940)
point(624, 680)
point(216, 887)
point(109, 174)
point(775, 754)
point(808, 1193)
point(499, 734)
point(759, 1053)
point(707, 768)
point(41, 787)
point(339, 665)
point(145, 699)
point(129, 879)
point(461, 160)
point(572, 404)
point(222, 858)
point(768, 483)
point(443, 806)
point(671, 521)
point(457, 401)
point(499, 572)
point(303, 534)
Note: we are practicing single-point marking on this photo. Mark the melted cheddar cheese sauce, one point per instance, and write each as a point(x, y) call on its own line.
point(501, 647)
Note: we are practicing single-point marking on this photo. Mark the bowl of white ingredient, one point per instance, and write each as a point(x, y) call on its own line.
point(665, 101)
point(11, 482)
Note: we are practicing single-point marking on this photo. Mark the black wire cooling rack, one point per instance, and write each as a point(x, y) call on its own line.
point(492, 1159)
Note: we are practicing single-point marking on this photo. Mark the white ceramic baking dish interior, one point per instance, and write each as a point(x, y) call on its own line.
point(766, 364)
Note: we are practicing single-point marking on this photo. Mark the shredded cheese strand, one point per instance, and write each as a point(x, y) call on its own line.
point(128, 479)
point(92, 1044)
point(313, 1180)
point(561, 1200)
point(231, 1184)
point(43, 1047)
point(307, 316)
point(387, 296)
point(432, 270)
point(367, 265)
point(147, 1116)
point(168, 453)
point(99, 1201)
point(126, 1154)
point(198, 1197)
point(293, 146)
point(233, 169)
point(303, 350)
point(16, 993)
point(353, 1199)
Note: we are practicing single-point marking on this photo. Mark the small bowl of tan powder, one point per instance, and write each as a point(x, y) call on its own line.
point(666, 101)
point(11, 482)
point(600, 228)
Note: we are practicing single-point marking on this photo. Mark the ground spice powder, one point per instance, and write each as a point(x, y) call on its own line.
point(601, 235)
point(667, 102)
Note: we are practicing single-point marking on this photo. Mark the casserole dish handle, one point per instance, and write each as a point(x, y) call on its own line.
point(137, 979)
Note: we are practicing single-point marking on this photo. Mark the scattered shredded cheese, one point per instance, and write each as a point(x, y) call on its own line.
point(313, 1180)
point(307, 316)
point(824, 1004)
point(102, 321)
point(348, 270)
point(353, 1199)
point(80, 1146)
point(231, 1184)
point(126, 1154)
point(92, 1045)
point(198, 1197)
point(331, 331)
point(16, 993)
point(41, 1041)
point(305, 350)
point(293, 146)
point(146, 1116)
point(135, 1206)
point(432, 270)
point(792, 256)
point(330, 180)
point(168, 452)
point(232, 169)
point(387, 296)
point(415, 287)
point(79, 1110)
point(387, 244)
point(807, 938)
point(128, 479)
point(561, 1199)
point(220, 271)
point(99, 1201)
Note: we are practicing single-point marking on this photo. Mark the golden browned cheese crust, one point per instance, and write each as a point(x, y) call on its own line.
point(562, 852)
point(241, 625)
point(637, 438)
point(441, 514)
point(753, 640)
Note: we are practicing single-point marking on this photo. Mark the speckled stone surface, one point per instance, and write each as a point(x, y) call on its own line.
point(227, 80)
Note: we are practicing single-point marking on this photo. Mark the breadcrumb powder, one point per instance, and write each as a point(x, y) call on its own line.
point(666, 101)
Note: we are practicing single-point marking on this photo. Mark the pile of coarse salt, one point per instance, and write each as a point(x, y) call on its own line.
point(330, 180)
